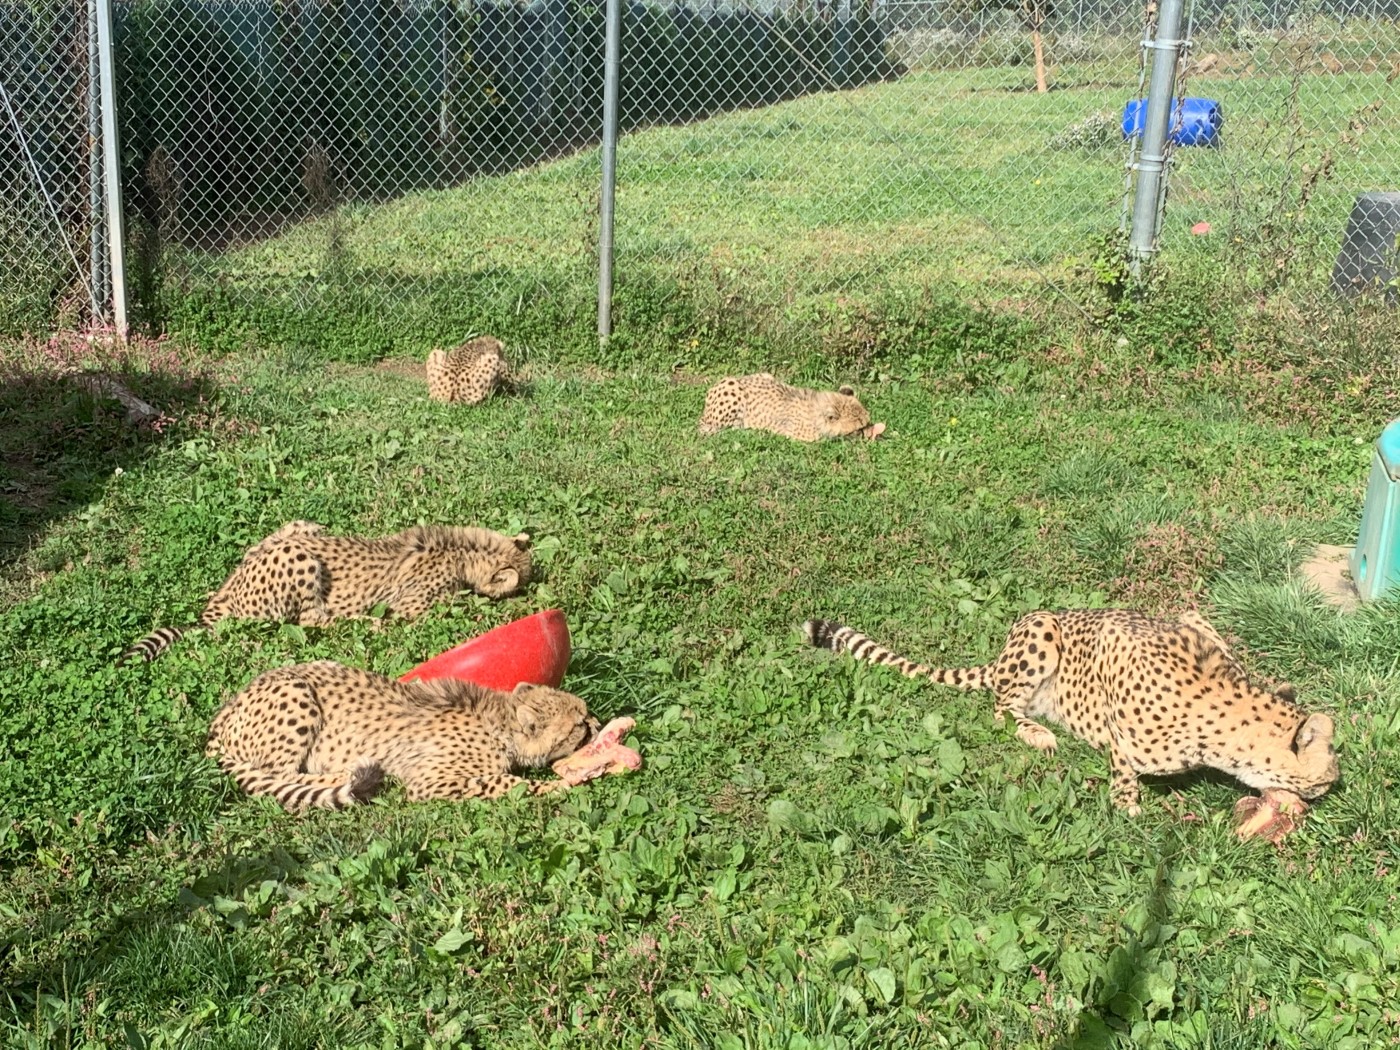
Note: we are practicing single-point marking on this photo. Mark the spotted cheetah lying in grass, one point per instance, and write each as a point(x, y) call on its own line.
point(325, 735)
point(760, 402)
point(300, 575)
point(469, 374)
point(1164, 696)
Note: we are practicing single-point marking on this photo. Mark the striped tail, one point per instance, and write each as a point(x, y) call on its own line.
point(296, 792)
point(827, 634)
point(155, 643)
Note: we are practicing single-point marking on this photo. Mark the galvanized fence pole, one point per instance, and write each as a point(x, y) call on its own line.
point(1151, 163)
point(611, 58)
point(111, 157)
point(97, 265)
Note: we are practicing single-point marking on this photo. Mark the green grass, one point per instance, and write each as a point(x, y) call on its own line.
point(817, 853)
point(826, 214)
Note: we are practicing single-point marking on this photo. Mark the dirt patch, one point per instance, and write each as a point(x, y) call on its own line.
point(680, 377)
point(1327, 570)
point(401, 366)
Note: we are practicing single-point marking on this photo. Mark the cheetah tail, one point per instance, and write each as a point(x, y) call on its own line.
point(153, 644)
point(296, 792)
point(827, 634)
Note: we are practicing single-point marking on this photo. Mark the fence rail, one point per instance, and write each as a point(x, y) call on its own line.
point(266, 142)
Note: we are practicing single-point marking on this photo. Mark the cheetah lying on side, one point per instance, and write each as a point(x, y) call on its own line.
point(300, 575)
point(468, 374)
point(324, 735)
point(1164, 696)
point(760, 402)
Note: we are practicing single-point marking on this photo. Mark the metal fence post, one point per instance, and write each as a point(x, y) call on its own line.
point(1151, 165)
point(111, 164)
point(97, 265)
point(611, 54)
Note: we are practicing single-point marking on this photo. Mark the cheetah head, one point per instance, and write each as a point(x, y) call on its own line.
point(512, 571)
point(548, 724)
point(839, 414)
point(1317, 759)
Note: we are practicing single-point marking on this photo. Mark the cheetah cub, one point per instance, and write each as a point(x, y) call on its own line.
point(1164, 696)
point(324, 735)
point(760, 402)
point(301, 575)
point(469, 374)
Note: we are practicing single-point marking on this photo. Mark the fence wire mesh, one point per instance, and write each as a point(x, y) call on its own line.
point(915, 150)
point(400, 170)
point(1311, 97)
point(50, 149)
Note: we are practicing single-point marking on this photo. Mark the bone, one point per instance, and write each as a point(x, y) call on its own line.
point(604, 754)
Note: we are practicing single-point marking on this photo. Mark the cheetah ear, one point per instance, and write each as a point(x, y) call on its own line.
point(526, 713)
point(1285, 691)
point(1316, 729)
point(521, 541)
point(848, 391)
point(506, 577)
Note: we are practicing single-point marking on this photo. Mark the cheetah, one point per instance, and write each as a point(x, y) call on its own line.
point(325, 735)
point(1164, 696)
point(760, 402)
point(468, 374)
point(301, 575)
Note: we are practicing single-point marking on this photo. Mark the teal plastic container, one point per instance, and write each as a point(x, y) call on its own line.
point(1375, 563)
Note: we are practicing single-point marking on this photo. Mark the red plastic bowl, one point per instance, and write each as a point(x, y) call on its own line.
point(533, 649)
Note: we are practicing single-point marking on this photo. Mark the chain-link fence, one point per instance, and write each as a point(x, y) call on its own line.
point(949, 166)
point(1311, 97)
point(411, 168)
point(51, 250)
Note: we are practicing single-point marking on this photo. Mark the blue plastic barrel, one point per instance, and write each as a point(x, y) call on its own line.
point(1194, 122)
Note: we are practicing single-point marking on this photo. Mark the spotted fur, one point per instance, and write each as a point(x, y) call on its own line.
point(1164, 696)
point(469, 374)
point(760, 402)
point(324, 735)
point(301, 575)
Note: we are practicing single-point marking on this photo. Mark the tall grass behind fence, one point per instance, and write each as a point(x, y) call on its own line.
point(833, 212)
point(369, 172)
point(1311, 98)
point(964, 175)
point(246, 119)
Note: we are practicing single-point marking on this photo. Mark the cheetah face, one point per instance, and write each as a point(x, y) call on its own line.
point(514, 571)
point(839, 414)
point(1316, 756)
point(549, 724)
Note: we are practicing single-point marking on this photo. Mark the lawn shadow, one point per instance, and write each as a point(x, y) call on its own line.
point(1129, 973)
point(136, 952)
point(68, 427)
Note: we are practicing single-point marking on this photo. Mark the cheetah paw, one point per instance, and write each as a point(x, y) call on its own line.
point(1037, 737)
